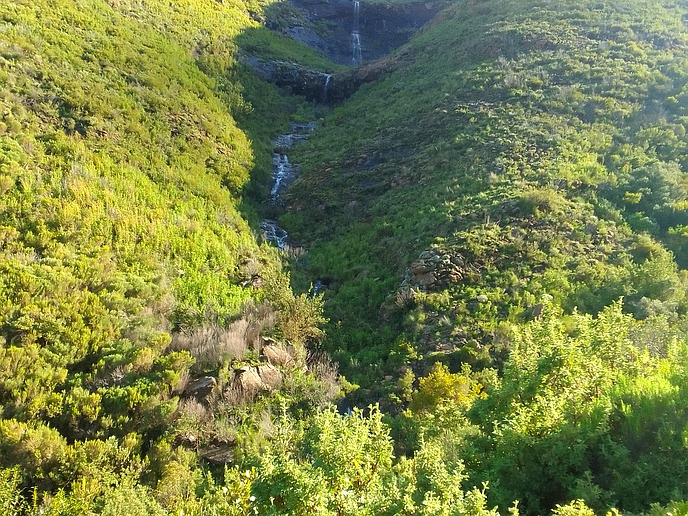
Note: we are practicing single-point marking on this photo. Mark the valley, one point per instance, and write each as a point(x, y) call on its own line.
point(308, 257)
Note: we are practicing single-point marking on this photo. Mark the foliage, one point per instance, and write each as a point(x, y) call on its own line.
point(539, 148)
point(129, 132)
point(501, 220)
point(10, 499)
point(441, 386)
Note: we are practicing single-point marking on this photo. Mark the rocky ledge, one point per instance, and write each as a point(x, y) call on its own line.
point(326, 26)
point(321, 87)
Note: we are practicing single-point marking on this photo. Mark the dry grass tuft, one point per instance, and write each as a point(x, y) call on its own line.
point(326, 372)
point(211, 346)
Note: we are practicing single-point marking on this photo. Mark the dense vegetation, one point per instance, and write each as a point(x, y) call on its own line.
point(500, 222)
point(525, 149)
point(127, 267)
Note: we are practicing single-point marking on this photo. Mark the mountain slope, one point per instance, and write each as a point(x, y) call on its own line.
point(493, 220)
point(128, 136)
point(527, 149)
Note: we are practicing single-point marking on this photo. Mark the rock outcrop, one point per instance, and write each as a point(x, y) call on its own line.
point(344, 84)
point(250, 380)
point(299, 80)
point(435, 270)
point(218, 453)
point(200, 387)
point(315, 85)
point(325, 26)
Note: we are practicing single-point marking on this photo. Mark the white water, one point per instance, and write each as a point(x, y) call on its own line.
point(273, 233)
point(282, 170)
point(328, 78)
point(299, 133)
point(357, 58)
point(318, 287)
point(282, 175)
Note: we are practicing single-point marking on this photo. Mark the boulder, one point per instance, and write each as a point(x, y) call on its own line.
point(420, 268)
point(248, 380)
point(268, 341)
point(270, 376)
point(200, 387)
point(218, 453)
point(424, 280)
point(537, 310)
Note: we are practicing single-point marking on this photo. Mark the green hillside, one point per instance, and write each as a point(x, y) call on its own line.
point(129, 132)
point(535, 149)
point(500, 221)
point(525, 151)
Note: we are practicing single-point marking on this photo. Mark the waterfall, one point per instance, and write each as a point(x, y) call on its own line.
point(282, 175)
point(328, 78)
point(357, 10)
point(356, 37)
point(273, 233)
point(282, 172)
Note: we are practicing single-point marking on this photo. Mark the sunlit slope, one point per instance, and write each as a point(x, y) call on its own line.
point(540, 147)
point(121, 170)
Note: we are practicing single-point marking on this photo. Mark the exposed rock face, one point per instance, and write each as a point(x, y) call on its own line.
point(311, 83)
point(251, 380)
point(298, 79)
point(218, 453)
point(326, 27)
point(344, 84)
point(248, 380)
point(382, 28)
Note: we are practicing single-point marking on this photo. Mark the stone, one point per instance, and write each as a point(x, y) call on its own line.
point(425, 280)
point(200, 387)
point(249, 380)
point(268, 341)
point(420, 268)
point(218, 454)
point(270, 376)
point(537, 310)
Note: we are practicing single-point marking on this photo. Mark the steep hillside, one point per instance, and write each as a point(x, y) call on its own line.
point(525, 156)
point(497, 218)
point(524, 149)
point(128, 136)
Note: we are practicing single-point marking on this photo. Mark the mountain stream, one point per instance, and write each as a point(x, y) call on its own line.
point(283, 172)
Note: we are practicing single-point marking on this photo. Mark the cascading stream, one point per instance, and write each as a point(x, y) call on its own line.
point(273, 233)
point(356, 36)
point(282, 175)
point(283, 172)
